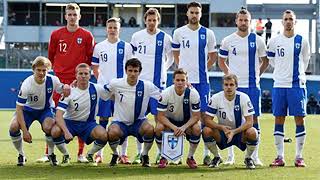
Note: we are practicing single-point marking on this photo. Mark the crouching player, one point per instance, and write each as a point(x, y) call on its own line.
point(35, 103)
point(179, 111)
point(234, 112)
point(76, 114)
point(131, 97)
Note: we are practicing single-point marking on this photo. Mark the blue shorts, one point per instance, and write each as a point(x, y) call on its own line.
point(203, 90)
point(236, 140)
point(294, 99)
point(152, 107)
point(255, 98)
point(106, 108)
point(39, 115)
point(133, 129)
point(81, 129)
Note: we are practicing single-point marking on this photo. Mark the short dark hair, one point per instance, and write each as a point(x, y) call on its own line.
point(289, 11)
point(229, 77)
point(243, 10)
point(194, 4)
point(134, 62)
point(82, 65)
point(151, 11)
point(179, 71)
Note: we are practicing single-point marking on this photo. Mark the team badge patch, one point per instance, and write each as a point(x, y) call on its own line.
point(202, 36)
point(237, 107)
point(93, 97)
point(139, 93)
point(186, 101)
point(159, 43)
point(79, 40)
point(252, 44)
point(49, 90)
point(120, 51)
point(297, 45)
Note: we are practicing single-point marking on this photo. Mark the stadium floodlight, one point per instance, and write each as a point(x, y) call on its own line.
point(127, 5)
point(160, 5)
point(94, 5)
point(56, 4)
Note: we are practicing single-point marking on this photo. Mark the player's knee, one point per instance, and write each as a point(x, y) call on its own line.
point(46, 127)
point(196, 130)
point(56, 131)
point(14, 126)
point(251, 133)
point(113, 134)
point(206, 132)
point(158, 129)
point(148, 129)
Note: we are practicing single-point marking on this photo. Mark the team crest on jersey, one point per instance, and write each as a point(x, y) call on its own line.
point(79, 40)
point(252, 44)
point(139, 93)
point(172, 141)
point(159, 43)
point(298, 45)
point(93, 96)
point(120, 51)
point(202, 36)
point(186, 101)
point(49, 90)
point(237, 107)
point(249, 104)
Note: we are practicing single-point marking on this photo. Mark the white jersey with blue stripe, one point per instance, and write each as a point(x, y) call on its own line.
point(111, 59)
point(82, 105)
point(171, 103)
point(194, 47)
point(131, 102)
point(290, 59)
point(154, 52)
point(243, 54)
point(34, 96)
point(230, 113)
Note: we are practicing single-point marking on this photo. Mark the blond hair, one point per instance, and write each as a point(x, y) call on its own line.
point(73, 6)
point(41, 61)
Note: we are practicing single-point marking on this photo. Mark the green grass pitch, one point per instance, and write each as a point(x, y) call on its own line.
point(33, 170)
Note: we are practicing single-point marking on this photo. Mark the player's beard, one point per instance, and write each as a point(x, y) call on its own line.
point(193, 21)
point(243, 28)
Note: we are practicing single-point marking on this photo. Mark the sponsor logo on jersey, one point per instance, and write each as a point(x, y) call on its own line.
point(79, 40)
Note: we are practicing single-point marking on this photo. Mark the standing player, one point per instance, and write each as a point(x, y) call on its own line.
point(244, 50)
point(76, 114)
point(109, 57)
point(194, 51)
point(68, 47)
point(131, 97)
point(179, 111)
point(153, 48)
point(35, 103)
point(234, 112)
point(289, 53)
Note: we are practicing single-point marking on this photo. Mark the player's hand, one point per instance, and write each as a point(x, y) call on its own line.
point(27, 137)
point(189, 85)
point(178, 132)
point(68, 136)
point(230, 135)
point(74, 83)
point(66, 90)
point(226, 129)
